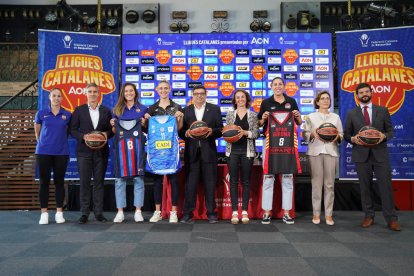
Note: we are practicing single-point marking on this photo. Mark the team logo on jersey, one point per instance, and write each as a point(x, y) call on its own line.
point(258, 72)
point(290, 56)
point(194, 72)
point(226, 56)
point(163, 56)
point(64, 117)
point(226, 88)
point(135, 133)
point(288, 106)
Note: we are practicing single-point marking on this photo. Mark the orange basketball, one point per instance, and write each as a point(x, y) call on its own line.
point(369, 136)
point(199, 130)
point(231, 133)
point(95, 140)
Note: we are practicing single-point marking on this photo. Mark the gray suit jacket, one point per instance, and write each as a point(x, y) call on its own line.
point(381, 120)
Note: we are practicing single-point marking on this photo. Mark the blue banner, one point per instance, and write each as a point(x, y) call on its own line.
point(384, 59)
point(69, 61)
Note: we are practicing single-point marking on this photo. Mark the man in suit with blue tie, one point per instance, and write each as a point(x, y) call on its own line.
point(200, 156)
point(373, 159)
point(91, 163)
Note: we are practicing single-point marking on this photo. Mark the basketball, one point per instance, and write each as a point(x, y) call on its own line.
point(95, 140)
point(327, 132)
point(231, 133)
point(369, 136)
point(199, 130)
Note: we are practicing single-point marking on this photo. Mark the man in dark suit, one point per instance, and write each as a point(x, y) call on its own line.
point(200, 156)
point(91, 163)
point(373, 159)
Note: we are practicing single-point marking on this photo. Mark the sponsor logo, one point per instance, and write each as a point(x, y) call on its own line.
point(321, 84)
point(210, 68)
point(242, 84)
point(306, 93)
point(226, 76)
point(212, 101)
point(194, 72)
point(179, 93)
point(210, 52)
point(212, 93)
point(242, 68)
point(306, 68)
point(211, 76)
point(147, 94)
point(323, 68)
point(211, 84)
point(149, 102)
point(290, 68)
point(166, 144)
point(178, 85)
point(162, 68)
point(307, 84)
point(132, 61)
point(290, 56)
point(259, 40)
point(322, 60)
point(195, 84)
point(286, 42)
point(132, 53)
point(166, 77)
point(225, 109)
point(272, 76)
point(178, 52)
point(306, 101)
point(181, 102)
point(147, 53)
point(321, 52)
point(291, 88)
point(256, 104)
point(163, 56)
point(226, 89)
point(179, 60)
point(242, 76)
point(274, 68)
point(258, 72)
point(290, 76)
point(258, 60)
point(306, 76)
point(322, 76)
point(147, 77)
point(130, 78)
point(226, 56)
point(305, 60)
point(274, 52)
point(242, 52)
point(194, 60)
point(227, 68)
point(257, 85)
point(258, 93)
point(179, 69)
point(225, 101)
point(211, 60)
point(306, 52)
point(242, 60)
point(179, 77)
point(258, 52)
point(147, 61)
point(147, 69)
point(364, 38)
point(274, 60)
point(131, 69)
point(147, 86)
point(195, 52)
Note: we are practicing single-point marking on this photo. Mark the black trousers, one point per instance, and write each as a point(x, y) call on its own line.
point(382, 172)
point(239, 164)
point(194, 172)
point(158, 185)
point(88, 167)
point(46, 164)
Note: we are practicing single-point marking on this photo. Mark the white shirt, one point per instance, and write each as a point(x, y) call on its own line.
point(94, 113)
point(199, 112)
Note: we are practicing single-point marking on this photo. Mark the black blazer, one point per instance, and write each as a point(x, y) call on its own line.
point(381, 120)
point(212, 116)
point(81, 124)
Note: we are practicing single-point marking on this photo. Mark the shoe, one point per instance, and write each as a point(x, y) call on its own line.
point(59, 217)
point(156, 217)
point(187, 219)
point(367, 222)
point(83, 219)
point(394, 226)
point(44, 218)
point(234, 217)
point(287, 219)
point(212, 220)
point(101, 218)
point(245, 217)
point(316, 219)
point(119, 218)
point(266, 218)
point(138, 216)
point(173, 217)
point(329, 220)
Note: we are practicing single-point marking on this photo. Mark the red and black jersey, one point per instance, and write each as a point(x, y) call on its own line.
point(281, 144)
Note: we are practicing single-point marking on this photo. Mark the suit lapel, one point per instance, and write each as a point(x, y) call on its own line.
point(206, 111)
point(374, 114)
point(88, 115)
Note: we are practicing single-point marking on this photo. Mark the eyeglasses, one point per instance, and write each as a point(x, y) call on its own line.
point(199, 94)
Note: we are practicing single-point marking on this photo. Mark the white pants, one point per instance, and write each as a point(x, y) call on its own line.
point(267, 190)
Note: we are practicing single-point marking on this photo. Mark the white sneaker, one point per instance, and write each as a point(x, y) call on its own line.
point(119, 218)
point(138, 217)
point(44, 218)
point(156, 217)
point(59, 217)
point(173, 217)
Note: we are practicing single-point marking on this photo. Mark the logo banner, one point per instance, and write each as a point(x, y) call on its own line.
point(69, 61)
point(384, 59)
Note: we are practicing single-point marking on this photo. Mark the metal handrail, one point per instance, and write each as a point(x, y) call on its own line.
point(18, 94)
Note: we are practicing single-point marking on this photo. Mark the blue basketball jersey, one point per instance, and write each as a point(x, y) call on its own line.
point(129, 157)
point(163, 149)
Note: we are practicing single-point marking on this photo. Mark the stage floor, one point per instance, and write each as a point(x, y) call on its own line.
point(27, 248)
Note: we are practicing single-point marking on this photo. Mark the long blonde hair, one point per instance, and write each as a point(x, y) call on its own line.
point(120, 105)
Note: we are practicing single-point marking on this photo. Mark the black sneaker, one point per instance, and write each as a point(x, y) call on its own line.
point(287, 219)
point(266, 219)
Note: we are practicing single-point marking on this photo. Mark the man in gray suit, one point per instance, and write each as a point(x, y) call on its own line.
point(373, 159)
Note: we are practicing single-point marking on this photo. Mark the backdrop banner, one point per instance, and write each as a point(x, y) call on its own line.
point(384, 59)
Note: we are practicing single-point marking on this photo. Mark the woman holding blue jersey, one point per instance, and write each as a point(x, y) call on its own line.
point(128, 109)
point(52, 153)
point(165, 106)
